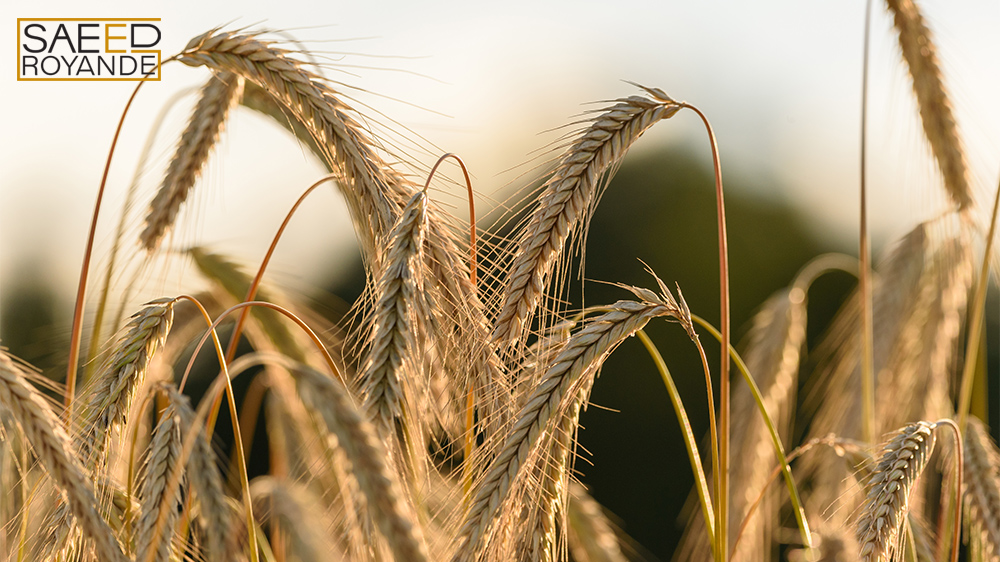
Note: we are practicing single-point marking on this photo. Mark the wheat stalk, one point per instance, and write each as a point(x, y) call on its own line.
point(567, 200)
point(581, 356)
point(51, 444)
point(197, 141)
point(903, 459)
point(932, 98)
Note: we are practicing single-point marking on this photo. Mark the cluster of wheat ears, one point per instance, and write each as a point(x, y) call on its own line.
point(438, 422)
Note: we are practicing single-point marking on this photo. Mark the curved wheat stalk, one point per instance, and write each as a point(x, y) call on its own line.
point(567, 200)
point(197, 141)
point(581, 356)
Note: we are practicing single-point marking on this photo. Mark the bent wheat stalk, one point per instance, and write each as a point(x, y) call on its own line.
point(581, 356)
point(347, 148)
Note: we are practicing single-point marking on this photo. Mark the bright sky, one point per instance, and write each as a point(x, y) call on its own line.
point(779, 80)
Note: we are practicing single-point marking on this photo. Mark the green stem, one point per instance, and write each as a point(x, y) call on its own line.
point(976, 322)
point(779, 450)
point(689, 441)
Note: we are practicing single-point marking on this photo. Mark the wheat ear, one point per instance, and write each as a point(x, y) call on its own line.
point(203, 129)
point(51, 444)
point(164, 453)
point(567, 199)
point(114, 389)
point(206, 481)
point(393, 341)
point(347, 147)
point(903, 459)
point(382, 489)
point(982, 488)
point(932, 98)
point(581, 356)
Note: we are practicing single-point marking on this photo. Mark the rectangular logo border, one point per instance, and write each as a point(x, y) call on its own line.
point(17, 68)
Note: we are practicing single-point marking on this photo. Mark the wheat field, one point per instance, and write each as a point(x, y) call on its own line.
point(437, 416)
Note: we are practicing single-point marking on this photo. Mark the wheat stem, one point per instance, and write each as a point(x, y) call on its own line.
point(690, 443)
point(977, 320)
point(779, 449)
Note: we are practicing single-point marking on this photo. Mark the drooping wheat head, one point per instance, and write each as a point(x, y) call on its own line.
point(197, 141)
point(903, 459)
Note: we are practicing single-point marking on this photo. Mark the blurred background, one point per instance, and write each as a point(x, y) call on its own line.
point(493, 82)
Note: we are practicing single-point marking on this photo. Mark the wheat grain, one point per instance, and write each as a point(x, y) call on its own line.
point(903, 459)
point(932, 98)
point(206, 481)
point(51, 444)
point(297, 516)
point(916, 380)
point(235, 283)
point(197, 141)
point(566, 201)
point(896, 288)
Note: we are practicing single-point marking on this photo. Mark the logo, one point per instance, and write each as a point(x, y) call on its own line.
point(88, 49)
